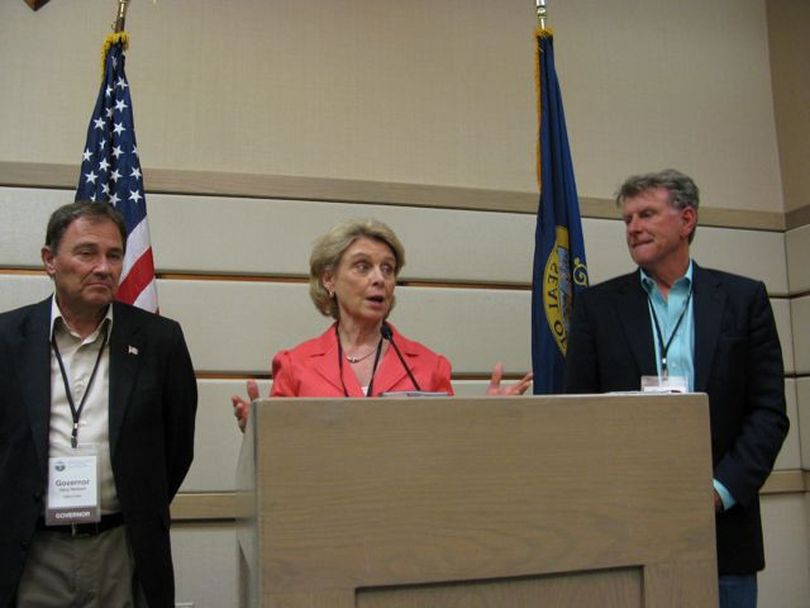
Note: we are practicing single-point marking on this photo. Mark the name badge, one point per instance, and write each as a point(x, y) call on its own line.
point(664, 384)
point(73, 496)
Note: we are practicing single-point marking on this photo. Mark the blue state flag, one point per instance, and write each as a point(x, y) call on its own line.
point(560, 271)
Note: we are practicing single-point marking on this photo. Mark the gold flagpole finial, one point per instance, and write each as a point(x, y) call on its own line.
point(121, 17)
point(542, 13)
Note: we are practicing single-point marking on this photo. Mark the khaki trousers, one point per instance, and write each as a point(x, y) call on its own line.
point(80, 572)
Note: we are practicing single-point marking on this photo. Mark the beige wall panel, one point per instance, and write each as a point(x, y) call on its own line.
point(205, 564)
point(797, 246)
point(790, 455)
point(217, 437)
point(238, 326)
point(751, 253)
point(472, 327)
point(784, 582)
point(803, 406)
point(788, 22)
point(605, 249)
point(16, 291)
point(420, 92)
point(24, 214)
point(756, 254)
point(658, 84)
point(800, 316)
point(276, 237)
point(781, 313)
point(261, 236)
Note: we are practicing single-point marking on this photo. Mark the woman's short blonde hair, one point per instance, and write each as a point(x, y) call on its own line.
point(328, 251)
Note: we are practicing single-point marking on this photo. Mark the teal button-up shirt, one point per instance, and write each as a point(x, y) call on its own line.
point(680, 354)
point(681, 351)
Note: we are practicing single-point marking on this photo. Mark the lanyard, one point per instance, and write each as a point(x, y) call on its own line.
point(370, 390)
point(76, 413)
point(665, 346)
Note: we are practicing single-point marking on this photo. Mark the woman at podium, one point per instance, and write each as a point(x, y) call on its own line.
point(352, 277)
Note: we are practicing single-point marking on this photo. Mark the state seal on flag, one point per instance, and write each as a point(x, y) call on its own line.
point(559, 278)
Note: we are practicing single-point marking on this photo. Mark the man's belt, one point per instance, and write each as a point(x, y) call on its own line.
point(108, 522)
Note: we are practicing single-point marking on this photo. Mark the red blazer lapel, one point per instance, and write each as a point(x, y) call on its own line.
point(326, 364)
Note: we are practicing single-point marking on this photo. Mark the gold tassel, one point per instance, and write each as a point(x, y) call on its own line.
point(110, 40)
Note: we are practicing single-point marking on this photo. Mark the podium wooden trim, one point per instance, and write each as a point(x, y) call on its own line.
point(565, 501)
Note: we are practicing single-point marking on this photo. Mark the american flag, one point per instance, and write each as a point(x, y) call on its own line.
point(111, 172)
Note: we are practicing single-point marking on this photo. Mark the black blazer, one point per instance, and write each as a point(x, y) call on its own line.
point(738, 362)
point(153, 401)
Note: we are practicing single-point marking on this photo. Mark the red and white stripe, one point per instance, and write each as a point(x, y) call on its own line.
point(137, 285)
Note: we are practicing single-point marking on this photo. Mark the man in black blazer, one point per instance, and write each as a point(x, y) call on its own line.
point(718, 336)
point(137, 407)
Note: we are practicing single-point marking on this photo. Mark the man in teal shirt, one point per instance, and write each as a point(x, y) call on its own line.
point(676, 324)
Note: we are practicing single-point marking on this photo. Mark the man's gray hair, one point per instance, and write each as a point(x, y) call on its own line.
point(683, 192)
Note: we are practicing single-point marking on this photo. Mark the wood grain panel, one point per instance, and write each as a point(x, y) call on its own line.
point(365, 494)
point(617, 587)
point(226, 506)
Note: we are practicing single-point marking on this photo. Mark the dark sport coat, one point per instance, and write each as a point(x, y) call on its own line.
point(153, 401)
point(738, 362)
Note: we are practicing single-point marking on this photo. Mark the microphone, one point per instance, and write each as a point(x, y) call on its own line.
point(387, 334)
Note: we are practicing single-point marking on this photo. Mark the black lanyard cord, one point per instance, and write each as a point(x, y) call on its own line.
point(370, 390)
point(76, 413)
point(665, 346)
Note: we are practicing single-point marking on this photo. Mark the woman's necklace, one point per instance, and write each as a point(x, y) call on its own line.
point(351, 359)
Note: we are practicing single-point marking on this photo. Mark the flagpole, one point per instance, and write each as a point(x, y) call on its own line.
point(542, 13)
point(121, 16)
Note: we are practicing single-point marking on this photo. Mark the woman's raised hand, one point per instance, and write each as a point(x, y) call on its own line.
point(518, 388)
point(241, 408)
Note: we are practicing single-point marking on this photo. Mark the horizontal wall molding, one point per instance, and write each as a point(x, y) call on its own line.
point(214, 183)
point(204, 506)
point(797, 217)
point(300, 279)
point(225, 506)
point(786, 482)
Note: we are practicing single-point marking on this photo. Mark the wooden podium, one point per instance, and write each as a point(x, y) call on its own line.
point(536, 501)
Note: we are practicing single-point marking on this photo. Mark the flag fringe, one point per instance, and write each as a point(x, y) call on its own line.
point(110, 40)
point(539, 33)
